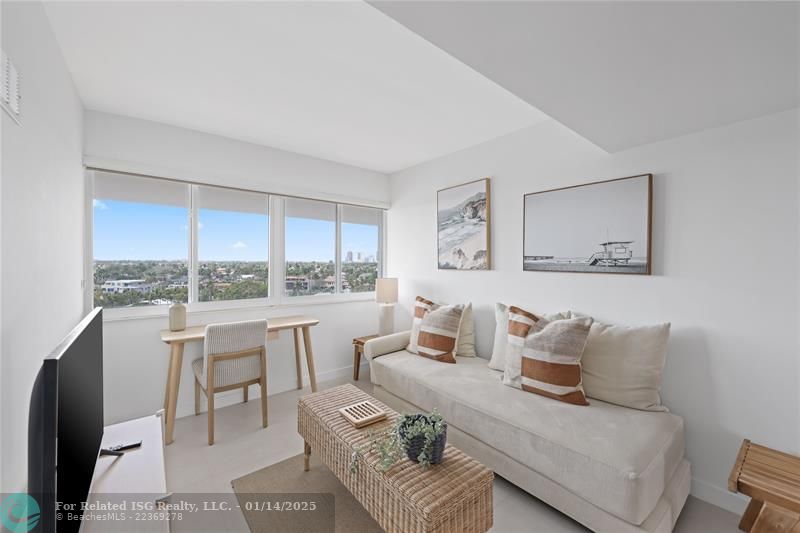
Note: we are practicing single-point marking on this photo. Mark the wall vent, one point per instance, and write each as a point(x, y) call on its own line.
point(9, 89)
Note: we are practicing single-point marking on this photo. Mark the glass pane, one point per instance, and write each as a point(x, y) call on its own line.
point(233, 244)
point(310, 244)
point(360, 238)
point(140, 253)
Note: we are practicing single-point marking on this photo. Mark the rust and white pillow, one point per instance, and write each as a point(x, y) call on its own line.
point(465, 341)
point(501, 312)
point(435, 330)
point(544, 357)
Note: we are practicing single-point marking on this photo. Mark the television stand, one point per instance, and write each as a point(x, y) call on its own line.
point(141, 471)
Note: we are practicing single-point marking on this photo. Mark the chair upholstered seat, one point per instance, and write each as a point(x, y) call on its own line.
point(229, 372)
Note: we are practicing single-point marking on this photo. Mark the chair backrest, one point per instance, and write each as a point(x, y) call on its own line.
point(233, 337)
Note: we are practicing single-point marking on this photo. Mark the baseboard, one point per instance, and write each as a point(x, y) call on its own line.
point(231, 397)
point(720, 497)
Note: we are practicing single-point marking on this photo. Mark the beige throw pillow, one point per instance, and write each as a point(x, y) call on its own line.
point(465, 346)
point(623, 364)
point(548, 361)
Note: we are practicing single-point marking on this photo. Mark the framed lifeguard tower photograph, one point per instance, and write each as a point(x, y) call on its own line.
point(599, 227)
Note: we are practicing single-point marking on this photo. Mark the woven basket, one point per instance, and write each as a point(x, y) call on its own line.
point(414, 448)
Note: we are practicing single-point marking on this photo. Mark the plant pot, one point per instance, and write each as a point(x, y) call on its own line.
point(416, 444)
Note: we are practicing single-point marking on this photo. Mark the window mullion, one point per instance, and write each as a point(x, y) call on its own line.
point(277, 257)
point(338, 254)
point(193, 267)
point(382, 245)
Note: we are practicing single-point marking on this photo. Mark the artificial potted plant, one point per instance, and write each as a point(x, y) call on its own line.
point(421, 437)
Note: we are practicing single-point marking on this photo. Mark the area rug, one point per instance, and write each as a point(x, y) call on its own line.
point(262, 491)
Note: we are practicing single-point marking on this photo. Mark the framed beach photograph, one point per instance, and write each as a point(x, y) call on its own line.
point(463, 232)
point(600, 227)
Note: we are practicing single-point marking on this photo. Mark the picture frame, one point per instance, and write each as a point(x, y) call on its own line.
point(598, 227)
point(463, 226)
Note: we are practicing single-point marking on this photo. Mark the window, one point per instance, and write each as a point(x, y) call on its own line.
point(157, 241)
point(233, 244)
point(310, 247)
point(140, 240)
point(360, 237)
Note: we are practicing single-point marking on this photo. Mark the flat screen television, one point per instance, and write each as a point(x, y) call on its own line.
point(65, 423)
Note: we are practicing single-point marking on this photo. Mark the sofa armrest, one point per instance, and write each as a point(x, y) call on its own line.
point(387, 344)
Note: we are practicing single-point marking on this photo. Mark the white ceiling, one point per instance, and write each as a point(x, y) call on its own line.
point(623, 74)
point(340, 81)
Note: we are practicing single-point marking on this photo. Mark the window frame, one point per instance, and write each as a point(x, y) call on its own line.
point(277, 261)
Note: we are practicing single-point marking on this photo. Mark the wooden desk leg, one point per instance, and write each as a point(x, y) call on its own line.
point(750, 514)
point(173, 384)
point(306, 455)
point(356, 361)
point(312, 376)
point(169, 379)
point(297, 364)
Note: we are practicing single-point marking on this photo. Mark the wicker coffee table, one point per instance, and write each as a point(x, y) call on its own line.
point(455, 495)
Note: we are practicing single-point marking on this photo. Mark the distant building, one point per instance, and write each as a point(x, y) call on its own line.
point(180, 283)
point(296, 283)
point(247, 276)
point(358, 257)
point(348, 257)
point(118, 286)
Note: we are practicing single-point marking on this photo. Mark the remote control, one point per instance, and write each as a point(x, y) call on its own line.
point(124, 447)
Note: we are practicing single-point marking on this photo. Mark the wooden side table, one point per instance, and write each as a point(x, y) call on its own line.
point(772, 480)
point(358, 349)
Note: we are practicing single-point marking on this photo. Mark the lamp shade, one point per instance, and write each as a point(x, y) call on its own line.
point(386, 290)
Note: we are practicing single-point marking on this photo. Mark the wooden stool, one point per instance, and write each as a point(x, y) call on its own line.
point(772, 480)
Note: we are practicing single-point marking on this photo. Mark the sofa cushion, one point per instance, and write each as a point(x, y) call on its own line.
point(616, 458)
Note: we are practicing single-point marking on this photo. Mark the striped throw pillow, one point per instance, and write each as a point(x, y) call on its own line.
point(548, 360)
point(437, 332)
point(421, 308)
point(520, 322)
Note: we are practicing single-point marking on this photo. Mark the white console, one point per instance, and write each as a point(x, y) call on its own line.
point(138, 471)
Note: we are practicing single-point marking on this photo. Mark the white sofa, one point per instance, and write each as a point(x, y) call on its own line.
point(611, 468)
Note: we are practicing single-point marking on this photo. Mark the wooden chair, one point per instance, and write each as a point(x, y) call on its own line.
point(772, 480)
point(234, 356)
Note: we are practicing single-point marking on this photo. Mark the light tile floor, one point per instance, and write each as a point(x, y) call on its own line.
point(242, 446)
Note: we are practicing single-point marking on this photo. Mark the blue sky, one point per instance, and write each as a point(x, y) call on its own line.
point(128, 230)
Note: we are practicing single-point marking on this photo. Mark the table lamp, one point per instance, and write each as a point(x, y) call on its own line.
point(386, 296)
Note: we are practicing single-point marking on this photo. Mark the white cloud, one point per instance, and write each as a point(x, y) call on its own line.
point(99, 204)
point(238, 244)
point(199, 224)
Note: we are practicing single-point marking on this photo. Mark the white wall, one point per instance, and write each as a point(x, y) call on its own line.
point(42, 221)
point(123, 143)
point(135, 363)
point(725, 234)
